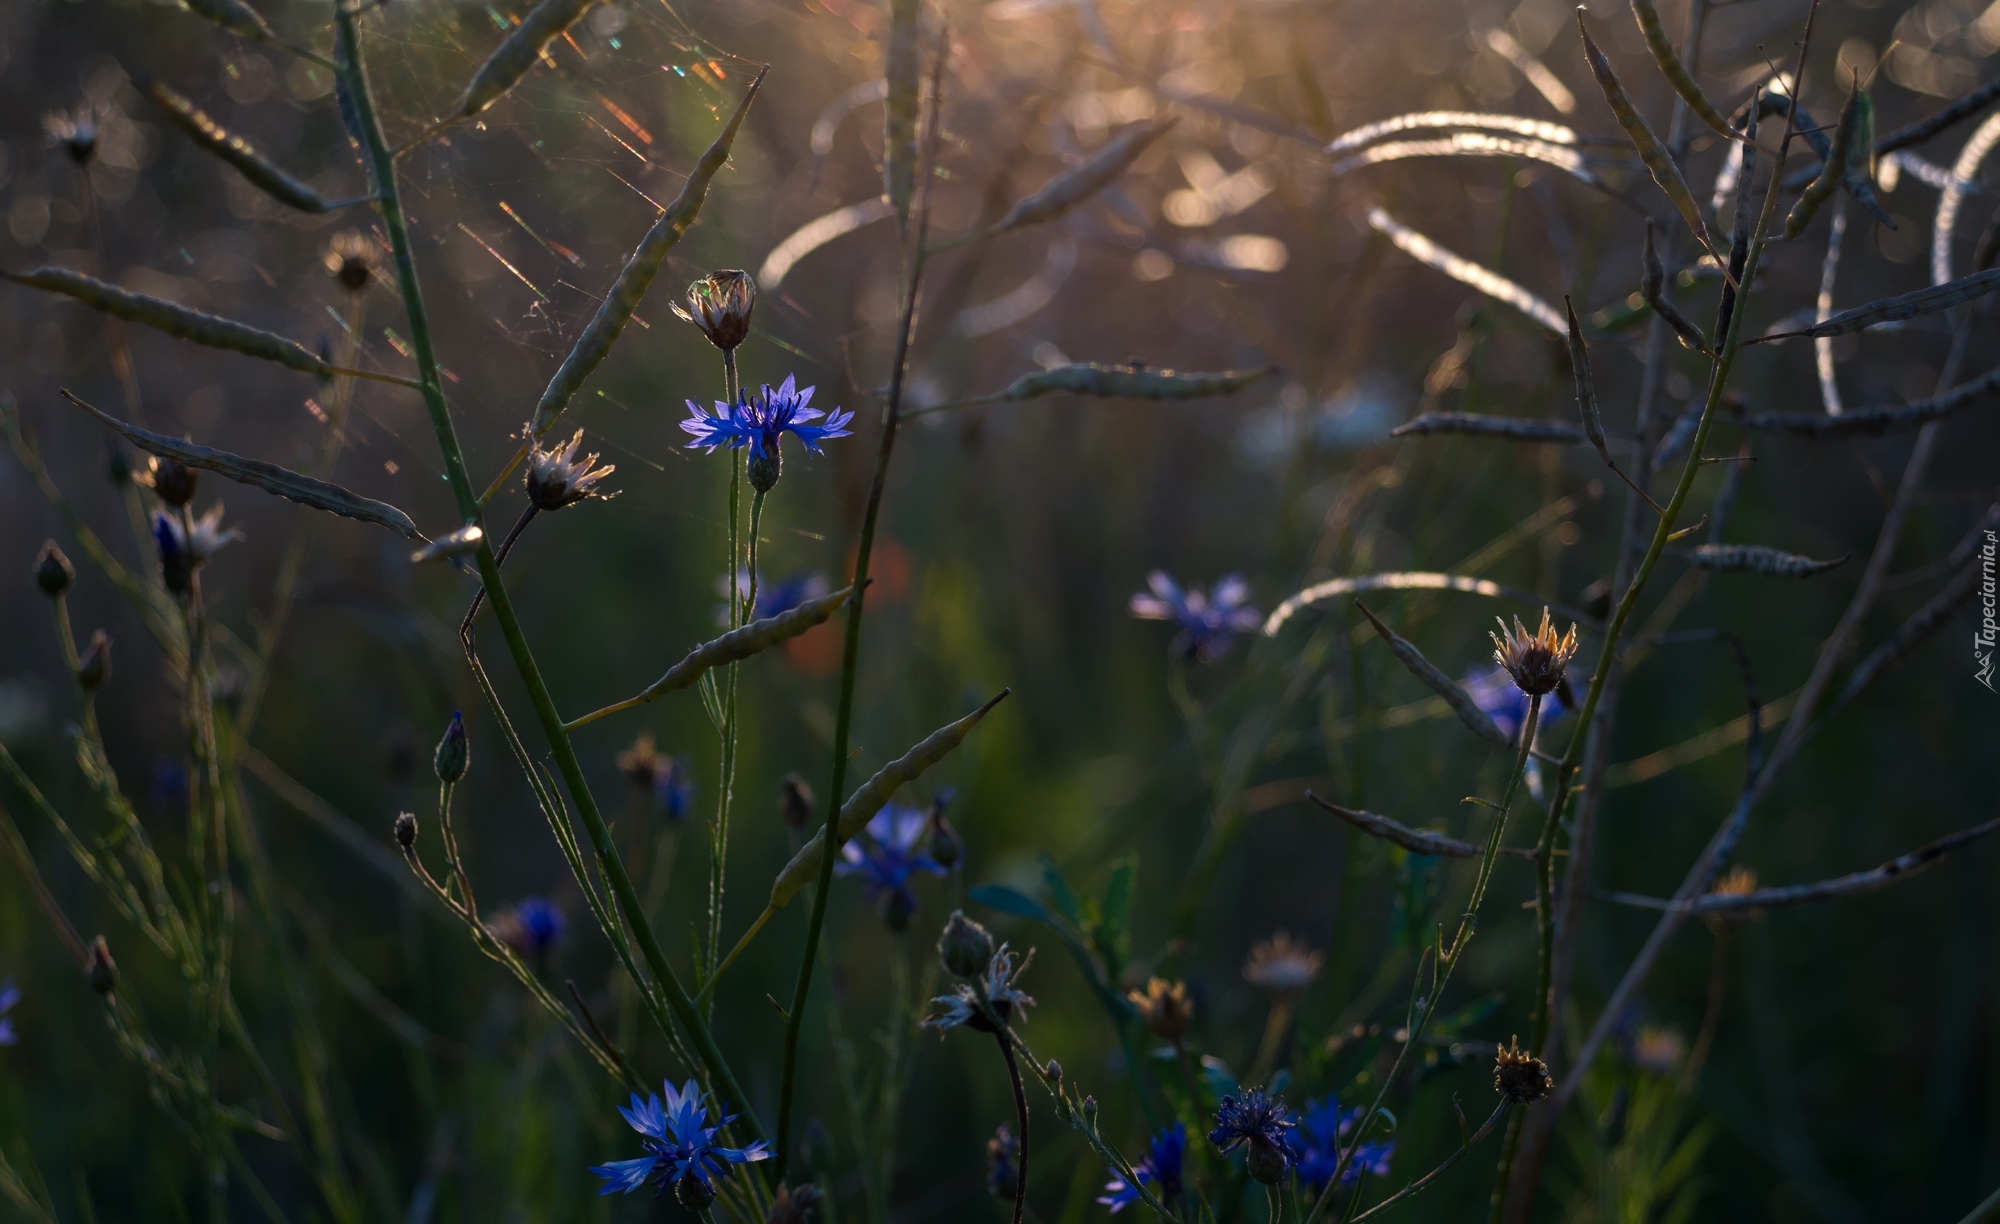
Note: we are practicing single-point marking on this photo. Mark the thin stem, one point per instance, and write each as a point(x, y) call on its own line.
point(718, 836)
point(1020, 1121)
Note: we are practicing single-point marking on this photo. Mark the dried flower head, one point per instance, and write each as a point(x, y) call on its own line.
point(557, 478)
point(353, 259)
point(53, 572)
point(1283, 966)
point(1520, 1076)
point(720, 305)
point(1535, 660)
point(1738, 881)
point(172, 481)
point(1659, 1051)
point(75, 130)
point(1165, 1007)
point(641, 763)
point(990, 1003)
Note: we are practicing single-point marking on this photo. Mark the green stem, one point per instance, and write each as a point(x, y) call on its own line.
point(389, 202)
point(738, 615)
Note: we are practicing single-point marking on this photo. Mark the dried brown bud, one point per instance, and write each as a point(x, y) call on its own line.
point(406, 829)
point(1165, 1007)
point(557, 478)
point(1535, 660)
point(1520, 1076)
point(720, 305)
point(101, 971)
point(172, 481)
point(53, 572)
point(93, 667)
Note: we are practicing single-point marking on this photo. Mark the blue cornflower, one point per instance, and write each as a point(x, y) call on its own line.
point(1325, 1125)
point(1207, 621)
point(532, 927)
point(759, 420)
point(1496, 693)
point(9, 996)
point(673, 788)
point(1256, 1122)
point(1161, 1167)
point(774, 598)
point(889, 852)
point(184, 548)
point(682, 1151)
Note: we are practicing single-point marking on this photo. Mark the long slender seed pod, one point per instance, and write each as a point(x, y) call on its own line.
point(1461, 702)
point(1469, 144)
point(1861, 152)
point(1416, 841)
point(1739, 238)
point(1520, 429)
point(869, 797)
point(1111, 382)
point(1908, 306)
point(1085, 179)
point(1927, 620)
point(1835, 169)
point(235, 16)
point(1586, 386)
point(1863, 191)
point(1867, 421)
point(1758, 559)
point(1676, 72)
point(307, 491)
point(1537, 129)
point(517, 53)
point(175, 320)
point(1653, 287)
point(232, 148)
point(902, 72)
point(1429, 253)
point(1929, 126)
point(594, 345)
point(1651, 151)
point(1414, 580)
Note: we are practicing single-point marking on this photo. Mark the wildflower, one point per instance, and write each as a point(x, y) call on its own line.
point(759, 422)
point(1257, 1123)
point(53, 572)
point(885, 858)
point(454, 753)
point(1520, 1076)
point(720, 305)
point(76, 131)
point(1165, 1007)
point(682, 1150)
point(352, 259)
point(532, 928)
point(93, 666)
point(1003, 1163)
point(1496, 694)
point(793, 1204)
point(172, 481)
point(1535, 660)
point(988, 1004)
point(795, 802)
point(641, 763)
point(452, 546)
point(101, 972)
point(1738, 881)
point(406, 829)
point(1282, 966)
point(1325, 1124)
point(556, 478)
point(965, 947)
point(773, 598)
point(1161, 1167)
point(9, 996)
point(1659, 1051)
point(185, 548)
point(1207, 622)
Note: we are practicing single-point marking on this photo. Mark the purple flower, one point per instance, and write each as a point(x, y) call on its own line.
point(682, 1151)
point(1325, 1124)
point(1161, 1167)
point(774, 598)
point(673, 788)
point(885, 856)
point(9, 996)
point(532, 927)
point(758, 421)
point(1496, 693)
point(1207, 622)
point(1256, 1121)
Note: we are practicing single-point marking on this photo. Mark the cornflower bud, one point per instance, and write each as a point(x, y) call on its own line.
point(406, 829)
point(102, 971)
point(946, 847)
point(965, 947)
point(720, 305)
point(453, 752)
point(694, 1194)
point(53, 572)
point(93, 667)
point(764, 468)
point(172, 481)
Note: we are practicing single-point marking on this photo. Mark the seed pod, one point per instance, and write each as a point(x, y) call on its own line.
point(1653, 287)
point(1651, 151)
point(461, 543)
point(235, 150)
point(406, 829)
point(517, 53)
point(1861, 152)
point(1676, 72)
point(1757, 559)
point(1416, 841)
point(235, 16)
point(1518, 428)
point(453, 751)
point(1085, 179)
point(53, 572)
point(177, 321)
point(1857, 422)
point(1908, 306)
point(869, 797)
point(1461, 702)
point(101, 972)
point(1537, 129)
point(1586, 386)
point(1821, 189)
point(1131, 381)
point(93, 666)
point(637, 275)
point(902, 71)
point(1429, 253)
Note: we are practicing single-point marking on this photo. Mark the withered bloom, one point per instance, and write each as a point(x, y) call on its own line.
point(1519, 1075)
point(557, 478)
point(720, 305)
point(1282, 966)
point(1535, 660)
point(352, 259)
point(1165, 1007)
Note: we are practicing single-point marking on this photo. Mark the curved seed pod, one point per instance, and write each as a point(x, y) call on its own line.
point(1461, 702)
point(1757, 559)
point(637, 275)
point(1835, 169)
point(1651, 151)
point(1413, 580)
point(1085, 179)
point(1769, 103)
point(1676, 72)
point(319, 494)
point(1470, 144)
point(1521, 429)
point(1653, 287)
point(1853, 423)
point(234, 16)
point(1416, 841)
point(1934, 615)
point(869, 798)
point(1586, 387)
point(902, 74)
point(1908, 306)
point(517, 53)
point(232, 148)
point(1925, 128)
point(1420, 248)
point(1537, 129)
point(1127, 382)
point(177, 321)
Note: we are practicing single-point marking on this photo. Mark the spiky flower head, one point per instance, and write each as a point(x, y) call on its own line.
point(1165, 1008)
point(1282, 966)
point(1207, 620)
point(1519, 1076)
point(53, 572)
point(759, 421)
point(1256, 1122)
point(186, 547)
point(720, 305)
point(1535, 660)
point(557, 478)
point(353, 259)
point(682, 1151)
point(887, 855)
point(1161, 1167)
point(989, 1003)
point(75, 130)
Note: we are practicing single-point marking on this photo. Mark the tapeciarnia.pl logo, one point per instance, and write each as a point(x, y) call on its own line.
point(1984, 637)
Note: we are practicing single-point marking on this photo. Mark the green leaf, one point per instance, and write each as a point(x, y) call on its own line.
point(1061, 893)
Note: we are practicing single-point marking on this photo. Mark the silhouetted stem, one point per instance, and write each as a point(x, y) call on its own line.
point(1021, 1121)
